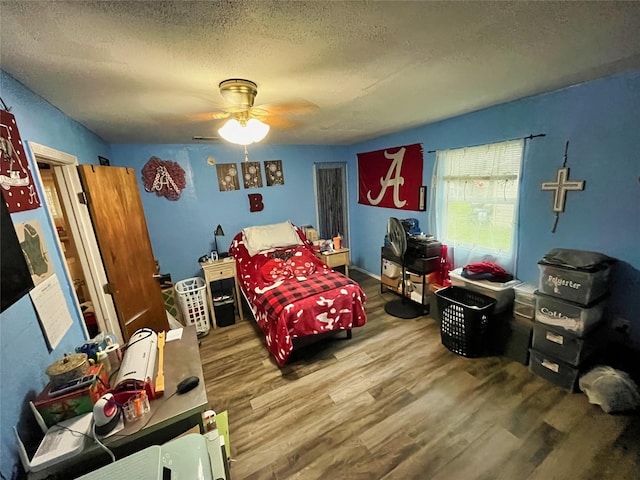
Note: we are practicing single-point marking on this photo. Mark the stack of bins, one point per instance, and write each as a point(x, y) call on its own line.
point(520, 329)
point(570, 303)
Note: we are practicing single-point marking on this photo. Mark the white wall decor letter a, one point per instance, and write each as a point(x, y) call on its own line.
point(393, 179)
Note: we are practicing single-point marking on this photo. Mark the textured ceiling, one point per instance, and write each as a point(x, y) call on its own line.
point(148, 72)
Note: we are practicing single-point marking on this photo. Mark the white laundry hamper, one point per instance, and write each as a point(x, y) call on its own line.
point(192, 297)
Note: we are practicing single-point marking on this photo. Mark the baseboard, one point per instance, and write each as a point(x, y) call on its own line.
point(365, 272)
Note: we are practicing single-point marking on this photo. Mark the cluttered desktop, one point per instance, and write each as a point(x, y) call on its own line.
point(108, 408)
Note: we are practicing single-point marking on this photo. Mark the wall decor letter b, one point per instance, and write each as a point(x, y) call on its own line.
point(255, 202)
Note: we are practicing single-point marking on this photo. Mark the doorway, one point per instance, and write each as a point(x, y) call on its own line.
point(53, 203)
point(331, 200)
point(60, 182)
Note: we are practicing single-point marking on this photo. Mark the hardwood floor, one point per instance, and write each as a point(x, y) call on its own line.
point(393, 403)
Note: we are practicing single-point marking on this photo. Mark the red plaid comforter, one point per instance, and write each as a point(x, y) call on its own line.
point(291, 300)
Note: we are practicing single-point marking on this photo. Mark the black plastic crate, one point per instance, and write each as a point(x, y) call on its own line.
point(464, 320)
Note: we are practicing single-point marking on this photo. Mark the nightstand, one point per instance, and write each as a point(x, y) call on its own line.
point(220, 270)
point(336, 258)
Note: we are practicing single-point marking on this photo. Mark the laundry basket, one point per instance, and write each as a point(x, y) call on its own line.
point(192, 297)
point(464, 320)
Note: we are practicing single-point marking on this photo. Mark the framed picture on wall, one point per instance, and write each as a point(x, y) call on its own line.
point(251, 175)
point(273, 172)
point(227, 177)
point(422, 198)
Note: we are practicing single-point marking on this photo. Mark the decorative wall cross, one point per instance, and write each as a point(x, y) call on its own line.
point(561, 186)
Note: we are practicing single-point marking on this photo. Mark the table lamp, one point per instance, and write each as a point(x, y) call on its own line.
point(218, 233)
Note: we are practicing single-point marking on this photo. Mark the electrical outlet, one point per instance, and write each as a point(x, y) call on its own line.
point(621, 325)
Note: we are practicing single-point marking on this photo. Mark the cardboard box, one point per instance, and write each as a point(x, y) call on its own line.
point(62, 407)
point(393, 283)
point(311, 234)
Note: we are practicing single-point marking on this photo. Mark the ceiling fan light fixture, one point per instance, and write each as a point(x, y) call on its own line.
point(244, 133)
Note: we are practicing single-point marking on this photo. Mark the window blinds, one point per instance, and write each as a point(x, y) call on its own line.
point(476, 201)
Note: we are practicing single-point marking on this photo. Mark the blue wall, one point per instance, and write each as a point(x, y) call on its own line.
point(23, 352)
point(182, 231)
point(599, 118)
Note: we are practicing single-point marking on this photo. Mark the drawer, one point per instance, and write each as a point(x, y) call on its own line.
point(575, 319)
point(566, 347)
point(336, 259)
point(219, 271)
point(553, 370)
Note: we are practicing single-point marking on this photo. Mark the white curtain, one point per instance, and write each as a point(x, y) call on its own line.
point(474, 204)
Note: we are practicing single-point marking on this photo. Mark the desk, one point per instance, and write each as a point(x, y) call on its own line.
point(336, 258)
point(220, 270)
point(170, 415)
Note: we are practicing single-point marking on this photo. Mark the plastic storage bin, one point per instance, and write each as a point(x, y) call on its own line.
point(572, 284)
point(553, 370)
point(501, 292)
point(519, 339)
point(564, 346)
point(391, 269)
point(525, 293)
point(527, 310)
point(464, 318)
point(569, 316)
point(192, 296)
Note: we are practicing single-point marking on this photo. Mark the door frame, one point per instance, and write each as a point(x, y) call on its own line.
point(81, 230)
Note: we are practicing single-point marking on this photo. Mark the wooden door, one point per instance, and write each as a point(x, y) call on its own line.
point(121, 230)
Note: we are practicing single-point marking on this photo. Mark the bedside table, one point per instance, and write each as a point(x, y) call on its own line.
point(336, 258)
point(220, 270)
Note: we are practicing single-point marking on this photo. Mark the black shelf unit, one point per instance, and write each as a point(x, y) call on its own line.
point(418, 266)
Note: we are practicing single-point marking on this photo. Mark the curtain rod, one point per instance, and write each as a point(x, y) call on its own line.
point(529, 137)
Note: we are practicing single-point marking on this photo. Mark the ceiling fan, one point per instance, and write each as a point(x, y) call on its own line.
point(239, 95)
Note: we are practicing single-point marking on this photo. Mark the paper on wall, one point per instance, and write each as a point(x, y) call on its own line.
point(55, 319)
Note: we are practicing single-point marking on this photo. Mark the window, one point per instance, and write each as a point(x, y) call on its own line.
point(475, 193)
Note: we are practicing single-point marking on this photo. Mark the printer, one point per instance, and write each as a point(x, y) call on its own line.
point(423, 251)
point(422, 254)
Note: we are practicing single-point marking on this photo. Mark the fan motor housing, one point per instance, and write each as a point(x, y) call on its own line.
point(239, 92)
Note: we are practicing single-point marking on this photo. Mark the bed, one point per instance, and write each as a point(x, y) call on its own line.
point(292, 293)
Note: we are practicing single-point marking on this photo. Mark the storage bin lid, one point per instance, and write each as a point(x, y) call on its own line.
point(577, 259)
point(525, 290)
point(493, 286)
point(581, 306)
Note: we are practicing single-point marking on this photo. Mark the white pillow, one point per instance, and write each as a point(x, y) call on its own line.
point(268, 237)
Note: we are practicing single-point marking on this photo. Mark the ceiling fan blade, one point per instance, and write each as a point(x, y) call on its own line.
point(219, 115)
point(298, 107)
point(258, 113)
point(281, 123)
point(201, 138)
